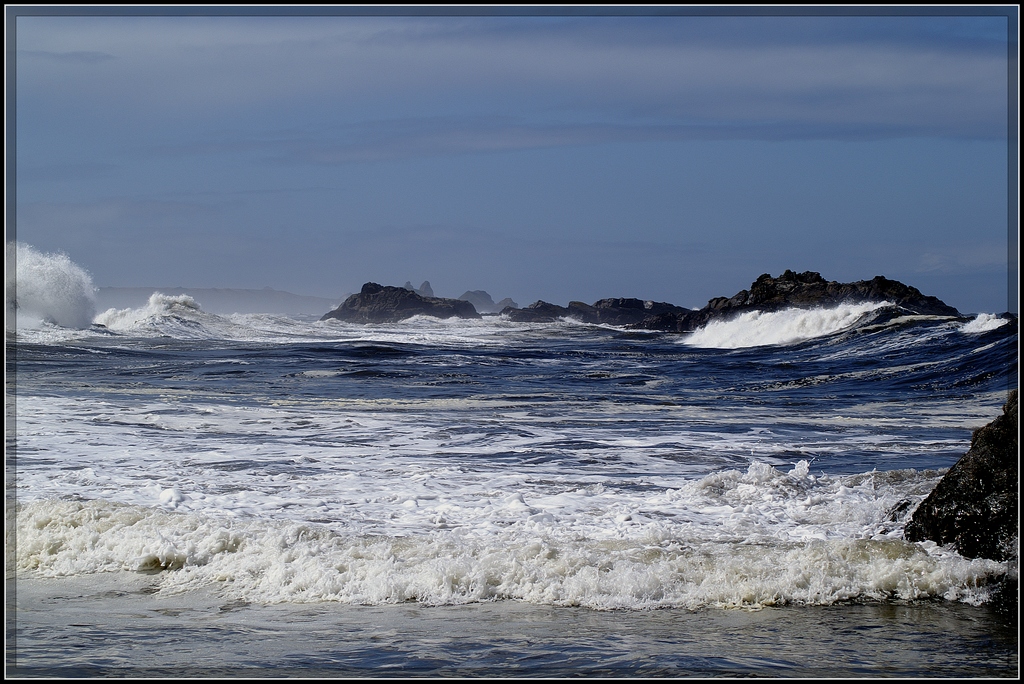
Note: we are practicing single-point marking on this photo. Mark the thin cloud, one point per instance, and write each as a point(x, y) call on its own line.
point(75, 56)
point(766, 78)
point(388, 140)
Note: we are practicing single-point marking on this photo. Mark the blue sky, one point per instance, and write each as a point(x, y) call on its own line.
point(673, 158)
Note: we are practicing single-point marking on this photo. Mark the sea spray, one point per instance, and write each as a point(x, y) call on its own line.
point(983, 323)
point(159, 305)
point(47, 288)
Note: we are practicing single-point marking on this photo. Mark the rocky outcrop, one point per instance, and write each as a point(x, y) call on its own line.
point(974, 506)
point(538, 312)
point(799, 290)
point(618, 311)
point(621, 311)
point(385, 304)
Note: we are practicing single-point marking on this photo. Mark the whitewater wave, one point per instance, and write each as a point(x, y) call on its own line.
point(789, 326)
point(273, 561)
point(983, 323)
point(47, 289)
point(160, 307)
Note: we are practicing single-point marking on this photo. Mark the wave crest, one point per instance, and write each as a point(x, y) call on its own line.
point(159, 306)
point(983, 323)
point(789, 326)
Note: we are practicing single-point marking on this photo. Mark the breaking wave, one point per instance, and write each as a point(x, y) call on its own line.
point(658, 565)
point(160, 307)
point(47, 289)
point(789, 326)
point(983, 323)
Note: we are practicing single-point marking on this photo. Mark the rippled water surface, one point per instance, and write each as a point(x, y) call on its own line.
point(261, 495)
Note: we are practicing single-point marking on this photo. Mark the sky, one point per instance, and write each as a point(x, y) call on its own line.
point(673, 158)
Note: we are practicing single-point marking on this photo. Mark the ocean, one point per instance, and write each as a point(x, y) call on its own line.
point(259, 495)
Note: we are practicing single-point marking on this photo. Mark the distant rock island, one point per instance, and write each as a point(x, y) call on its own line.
point(800, 290)
point(789, 290)
point(379, 303)
point(483, 303)
point(616, 311)
point(387, 304)
point(423, 290)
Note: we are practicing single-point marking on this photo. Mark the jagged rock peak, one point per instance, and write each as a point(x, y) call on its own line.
point(423, 290)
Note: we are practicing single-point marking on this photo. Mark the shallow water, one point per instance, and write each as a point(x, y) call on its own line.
point(117, 625)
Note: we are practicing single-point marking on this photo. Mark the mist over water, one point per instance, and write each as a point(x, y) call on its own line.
point(47, 288)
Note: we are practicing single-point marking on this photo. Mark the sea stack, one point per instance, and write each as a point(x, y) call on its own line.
point(619, 311)
point(799, 290)
point(386, 304)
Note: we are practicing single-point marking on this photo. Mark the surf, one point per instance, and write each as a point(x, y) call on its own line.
point(47, 288)
point(785, 327)
point(280, 561)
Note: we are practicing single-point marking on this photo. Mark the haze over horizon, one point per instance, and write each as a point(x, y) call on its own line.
point(672, 158)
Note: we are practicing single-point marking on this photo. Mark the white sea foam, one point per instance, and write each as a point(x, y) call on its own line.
point(983, 323)
point(273, 561)
point(159, 307)
point(50, 289)
point(789, 326)
point(378, 502)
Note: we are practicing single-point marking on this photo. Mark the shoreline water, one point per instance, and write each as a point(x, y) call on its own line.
point(117, 624)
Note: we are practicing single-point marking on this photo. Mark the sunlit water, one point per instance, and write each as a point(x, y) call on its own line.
point(280, 495)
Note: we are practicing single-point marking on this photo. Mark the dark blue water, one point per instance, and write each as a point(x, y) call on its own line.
point(885, 396)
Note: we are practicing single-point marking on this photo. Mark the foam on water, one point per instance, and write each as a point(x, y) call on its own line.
point(270, 561)
point(789, 326)
point(158, 306)
point(983, 323)
point(369, 502)
point(555, 470)
point(50, 290)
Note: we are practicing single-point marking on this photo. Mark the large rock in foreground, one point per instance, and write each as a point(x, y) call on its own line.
point(385, 304)
point(800, 290)
point(620, 311)
point(974, 506)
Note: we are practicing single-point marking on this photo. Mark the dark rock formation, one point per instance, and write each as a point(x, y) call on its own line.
point(974, 506)
point(385, 304)
point(799, 290)
point(538, 312)
point(619, 311)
